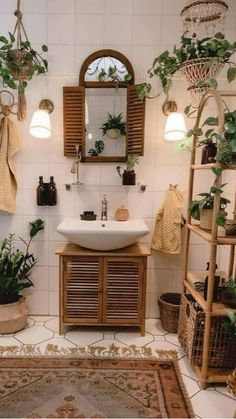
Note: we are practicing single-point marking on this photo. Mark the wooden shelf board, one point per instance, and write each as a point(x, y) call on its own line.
point(216, 375)
point(70, 249)
point(206, 235)
point(211, 165)
point(218, 309)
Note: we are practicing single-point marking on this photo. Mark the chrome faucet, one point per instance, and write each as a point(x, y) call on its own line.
point(104, 208)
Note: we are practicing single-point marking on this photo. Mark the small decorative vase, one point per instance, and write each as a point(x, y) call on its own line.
point(13, 316)
point(113, 133)
point(122, 214)
point(128, 177)
point(208, 153)
point(206, 218)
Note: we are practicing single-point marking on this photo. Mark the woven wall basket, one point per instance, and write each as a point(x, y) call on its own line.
point(194, 71)
point(13, 317)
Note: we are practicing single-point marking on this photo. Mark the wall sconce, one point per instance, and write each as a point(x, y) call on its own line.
point(175, 128)
point(40, 126)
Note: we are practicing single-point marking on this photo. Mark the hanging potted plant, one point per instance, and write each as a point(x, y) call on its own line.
point(129, 176)
point(15, 270)
point(198, 60)
point(19, 62)
point(114, 127)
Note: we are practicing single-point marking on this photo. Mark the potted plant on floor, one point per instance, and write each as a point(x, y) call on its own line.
point(15, 270)
point(114, 127)
point(129, 175)
point(198, 60)
point(230, 326)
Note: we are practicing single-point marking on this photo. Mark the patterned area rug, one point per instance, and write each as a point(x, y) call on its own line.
point(92, 388)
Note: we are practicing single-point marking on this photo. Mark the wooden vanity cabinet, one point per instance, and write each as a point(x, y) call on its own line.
point(103, 288)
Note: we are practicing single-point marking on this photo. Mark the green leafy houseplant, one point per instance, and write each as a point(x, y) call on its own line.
point(228, 293)
point(20, 64)
point(114, 122)
point(129, 176)
point(214, 50)
point(98, 148)
point(16, 266)
point(112, 74)
point(230, 325)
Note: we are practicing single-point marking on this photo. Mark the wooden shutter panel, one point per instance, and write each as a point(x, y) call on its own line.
point(82, 290)
point(135, 122)
point(74, 119)
point(123, 291)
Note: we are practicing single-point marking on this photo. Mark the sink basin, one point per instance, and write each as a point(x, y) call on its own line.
point(103, 235)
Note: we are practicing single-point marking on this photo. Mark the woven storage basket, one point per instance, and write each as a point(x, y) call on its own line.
point(169, 305)
point(230, 227)
point(13, 316)
point(222, 349)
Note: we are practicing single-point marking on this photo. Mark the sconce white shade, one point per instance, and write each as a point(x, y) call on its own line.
point(40, 126)
point(175, 128)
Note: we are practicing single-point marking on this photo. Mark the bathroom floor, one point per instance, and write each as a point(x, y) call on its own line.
point(214, 402)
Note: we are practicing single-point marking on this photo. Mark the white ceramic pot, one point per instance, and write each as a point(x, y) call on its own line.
point(13, 316)
point(113, 133)
point(206, 219)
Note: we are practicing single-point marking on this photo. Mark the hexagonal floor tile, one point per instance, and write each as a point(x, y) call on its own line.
point(165, 346)
point(211, 404)
point(187, 369)
point(172, 338)
point(192, 385)
point(34, 335)
point(7, 340)
point(133, 338)
point(83, 338)
point(42, 318)
point(53, 324)
point(154, 326)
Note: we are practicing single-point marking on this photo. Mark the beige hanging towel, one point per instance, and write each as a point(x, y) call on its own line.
point(9, 145)
point(167, 231)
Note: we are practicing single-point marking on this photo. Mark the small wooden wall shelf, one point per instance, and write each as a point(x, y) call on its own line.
point(103, 288)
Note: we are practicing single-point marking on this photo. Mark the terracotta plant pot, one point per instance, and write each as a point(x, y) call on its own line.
point(208, 153)
point(13, 316)
point(128, 177)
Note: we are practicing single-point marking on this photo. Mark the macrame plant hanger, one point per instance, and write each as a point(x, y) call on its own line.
point(18, 30)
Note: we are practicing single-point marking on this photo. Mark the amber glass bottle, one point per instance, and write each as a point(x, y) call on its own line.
point(52, 192)
point(41, 192)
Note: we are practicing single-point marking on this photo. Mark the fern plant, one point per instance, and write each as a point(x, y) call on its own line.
point(16, 265)
point(114, 122)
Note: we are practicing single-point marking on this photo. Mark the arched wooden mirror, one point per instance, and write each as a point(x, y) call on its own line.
point(104, 114)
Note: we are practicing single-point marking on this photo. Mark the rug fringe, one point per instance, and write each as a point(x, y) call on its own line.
point(51, 350)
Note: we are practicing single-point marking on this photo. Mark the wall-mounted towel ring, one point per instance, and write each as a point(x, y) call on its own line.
point(6, 109)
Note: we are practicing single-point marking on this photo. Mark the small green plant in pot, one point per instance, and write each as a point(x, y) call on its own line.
point(228, 293)
point(114, 127)
point(15, 270)
point(129, 176)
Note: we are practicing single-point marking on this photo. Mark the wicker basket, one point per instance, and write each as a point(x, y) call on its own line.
point(230, 227)
point(25, 68)
point(169, 305)
point(222, 349)
point(13, 316)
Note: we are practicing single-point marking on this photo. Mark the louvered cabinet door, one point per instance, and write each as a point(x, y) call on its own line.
point(135, 124)
point(82, 290)
point(123, 290)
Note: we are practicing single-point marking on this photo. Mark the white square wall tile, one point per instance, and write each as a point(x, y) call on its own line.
point(90, 6)
point(151, 7)
point(61, 29)
point(30, 6)
point(39, 277)
point(89, 29)
point(53, 278)
point(124, 32)
point(163, 280)
point(62, 59)
point(123, 7)
point(36, 25)
point(10, 224)
point(54, 303)
point(37, 302)
point(146, 30)
point(171, 30)
point(61, 6)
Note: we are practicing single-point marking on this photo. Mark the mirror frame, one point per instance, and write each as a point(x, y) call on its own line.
point(74, 111)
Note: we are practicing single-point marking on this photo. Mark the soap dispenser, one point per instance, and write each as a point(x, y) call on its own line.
point(52, 192)
point(41, 192)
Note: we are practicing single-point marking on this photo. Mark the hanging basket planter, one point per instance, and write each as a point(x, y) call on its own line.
point(20, 61)
point(113, 133)
point(194, 72)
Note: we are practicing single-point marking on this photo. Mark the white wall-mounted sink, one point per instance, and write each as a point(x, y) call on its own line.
point(103, 235)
